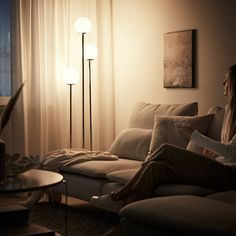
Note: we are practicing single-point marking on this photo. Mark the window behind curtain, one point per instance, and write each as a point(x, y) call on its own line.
point(5, 51)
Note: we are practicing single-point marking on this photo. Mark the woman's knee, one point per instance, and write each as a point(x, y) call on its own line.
point(156, 169)
point(152, 164)
point(165, 146)
point(164, 150)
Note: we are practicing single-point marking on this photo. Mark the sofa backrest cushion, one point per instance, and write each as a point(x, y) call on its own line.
point(143, 113)
point(132, 143)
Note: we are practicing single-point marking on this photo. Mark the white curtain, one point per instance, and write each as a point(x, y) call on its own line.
point(46, 44)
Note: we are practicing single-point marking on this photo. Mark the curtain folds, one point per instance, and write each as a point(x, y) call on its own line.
point(45, 45)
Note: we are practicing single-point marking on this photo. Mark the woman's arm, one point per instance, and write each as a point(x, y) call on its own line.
point(227, 150)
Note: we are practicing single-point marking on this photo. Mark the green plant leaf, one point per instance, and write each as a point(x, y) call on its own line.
point(1, 109)
point(9, 108)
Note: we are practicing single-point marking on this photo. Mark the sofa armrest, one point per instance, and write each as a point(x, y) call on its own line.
point(183, 215)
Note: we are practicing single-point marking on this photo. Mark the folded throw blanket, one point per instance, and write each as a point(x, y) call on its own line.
point(64, 157)
point(53, 160)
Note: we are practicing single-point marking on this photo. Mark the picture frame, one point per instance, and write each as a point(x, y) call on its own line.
point(179, 59)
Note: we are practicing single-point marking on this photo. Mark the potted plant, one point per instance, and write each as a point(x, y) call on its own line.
point(4, 119)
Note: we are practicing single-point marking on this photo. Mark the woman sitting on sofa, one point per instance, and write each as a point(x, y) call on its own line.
point(173, 165)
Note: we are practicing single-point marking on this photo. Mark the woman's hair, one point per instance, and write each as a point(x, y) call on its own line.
point(231, 76)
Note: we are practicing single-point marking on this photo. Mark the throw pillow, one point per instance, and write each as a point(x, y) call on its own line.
point(174, 129)
point(132, 143)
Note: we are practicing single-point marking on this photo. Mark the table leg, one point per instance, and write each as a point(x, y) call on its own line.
point(66, 212)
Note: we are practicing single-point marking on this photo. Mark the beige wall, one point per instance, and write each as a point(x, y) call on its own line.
point(139, 26)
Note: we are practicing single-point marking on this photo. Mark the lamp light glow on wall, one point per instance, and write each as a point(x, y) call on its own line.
point(71, 78)
point(90, 54)
point(83, 26)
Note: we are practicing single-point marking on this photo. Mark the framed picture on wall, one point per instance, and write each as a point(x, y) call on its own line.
point(178, 59)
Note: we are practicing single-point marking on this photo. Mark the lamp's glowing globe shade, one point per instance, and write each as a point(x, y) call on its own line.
point(71, 76)
point(83, 25)
point(90, 51)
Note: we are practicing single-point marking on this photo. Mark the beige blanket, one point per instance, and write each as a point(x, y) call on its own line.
point(64, 157)
point(53, 160)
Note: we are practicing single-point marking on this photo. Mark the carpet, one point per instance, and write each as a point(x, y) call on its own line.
point(82, 221)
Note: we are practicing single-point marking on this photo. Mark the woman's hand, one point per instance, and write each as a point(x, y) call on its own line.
point(209, 153)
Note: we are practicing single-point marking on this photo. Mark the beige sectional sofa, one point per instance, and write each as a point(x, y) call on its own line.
point(132, 145)
point(179, 210)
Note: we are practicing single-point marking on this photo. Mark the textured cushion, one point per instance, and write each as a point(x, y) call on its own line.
point(227, 196)
point(184, 215)
point(100, 169)
point(122, 176)
point(182, 189)
point(143, 113)
point(172, 130)
point(132, 143)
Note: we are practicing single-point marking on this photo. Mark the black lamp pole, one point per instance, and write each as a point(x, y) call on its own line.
point(90, 107)
point(70, 115)
point(83, 102)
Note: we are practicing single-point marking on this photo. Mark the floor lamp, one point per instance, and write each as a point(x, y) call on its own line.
point(71, 78)
point(90, 54)
point(83, 26)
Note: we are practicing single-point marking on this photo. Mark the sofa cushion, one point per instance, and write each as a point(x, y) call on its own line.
point(174, 129)
point(143, 113)
point(129, 227)
point(122, 176)
point(182, 189)
point(183, 215)
point(100, 169)
point(227, 196)
point(132, 143)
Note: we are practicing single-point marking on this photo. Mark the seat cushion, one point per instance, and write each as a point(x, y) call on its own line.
point(227, 196)
point(182, 189)
point(100, 169)
point(121, 176)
